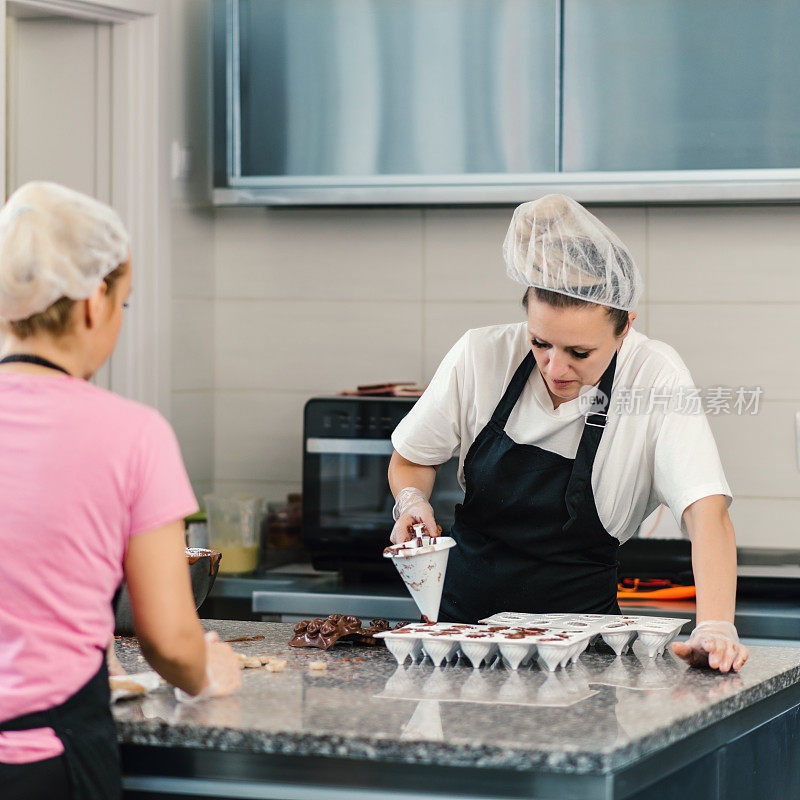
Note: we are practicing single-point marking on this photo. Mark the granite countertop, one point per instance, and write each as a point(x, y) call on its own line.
point(594, 716)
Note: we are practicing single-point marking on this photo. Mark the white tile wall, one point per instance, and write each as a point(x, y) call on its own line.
point(192, 344)
point(193, 422)
point(761, 522)
point(758, 451)
point(193, 262)
point(330, 255)
point(734, 254)
point(258, 436)
point(315, 346)
point(464, 257)
point(193, 380)
point(735, 344)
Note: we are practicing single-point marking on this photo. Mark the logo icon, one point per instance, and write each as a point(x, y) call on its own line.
point(593, 402)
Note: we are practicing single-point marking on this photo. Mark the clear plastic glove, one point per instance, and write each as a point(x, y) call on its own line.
point(222, 670)
point(411, 508)
point(715, 644)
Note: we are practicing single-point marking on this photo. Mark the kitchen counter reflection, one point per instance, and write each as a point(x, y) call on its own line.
point(597, 715)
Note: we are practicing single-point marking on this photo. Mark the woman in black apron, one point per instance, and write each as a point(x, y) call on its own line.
point(89, 767)
point(528, 525)
point(528, 535)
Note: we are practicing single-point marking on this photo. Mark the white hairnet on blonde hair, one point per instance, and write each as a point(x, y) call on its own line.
point(55, 242)
point(554, 243)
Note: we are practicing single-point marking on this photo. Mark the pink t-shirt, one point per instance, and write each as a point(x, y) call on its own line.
point(81, 471)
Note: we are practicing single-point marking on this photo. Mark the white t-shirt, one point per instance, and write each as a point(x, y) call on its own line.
point(662, 454)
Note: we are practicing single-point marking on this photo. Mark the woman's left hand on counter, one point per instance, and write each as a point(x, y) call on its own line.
point(714, 644)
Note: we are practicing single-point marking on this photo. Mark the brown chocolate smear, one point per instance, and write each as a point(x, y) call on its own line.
point(245, 639)
point(194, 554)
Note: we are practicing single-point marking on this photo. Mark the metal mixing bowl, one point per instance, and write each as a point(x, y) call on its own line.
point(203, 569)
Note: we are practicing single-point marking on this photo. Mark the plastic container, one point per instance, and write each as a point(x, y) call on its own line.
point(233, 530)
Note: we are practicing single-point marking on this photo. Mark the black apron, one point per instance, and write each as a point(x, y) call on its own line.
point(86, 728)
point(528, 535)
point(83, 722)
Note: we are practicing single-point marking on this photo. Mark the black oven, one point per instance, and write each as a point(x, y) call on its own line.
point(347, 504)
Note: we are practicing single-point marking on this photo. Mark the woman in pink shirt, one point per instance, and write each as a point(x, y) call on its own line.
point(92, 488)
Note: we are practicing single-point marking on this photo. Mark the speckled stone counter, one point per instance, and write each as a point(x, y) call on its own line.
point(597, 717)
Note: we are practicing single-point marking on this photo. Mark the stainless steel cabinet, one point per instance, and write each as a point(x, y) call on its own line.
point(347, 89)
point(498, 101)
point(681, 84)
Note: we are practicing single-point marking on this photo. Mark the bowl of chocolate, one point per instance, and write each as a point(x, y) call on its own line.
point(203, 569)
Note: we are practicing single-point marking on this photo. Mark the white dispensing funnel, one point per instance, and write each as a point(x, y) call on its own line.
point(422, 568)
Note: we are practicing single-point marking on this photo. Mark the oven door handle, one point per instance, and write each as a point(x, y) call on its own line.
point(354, 447)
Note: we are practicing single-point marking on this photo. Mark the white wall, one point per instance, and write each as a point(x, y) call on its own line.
point(186, 62)
point(273, 306)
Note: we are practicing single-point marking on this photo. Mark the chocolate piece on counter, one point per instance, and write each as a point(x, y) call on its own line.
point(324, 633)
point(367, 635)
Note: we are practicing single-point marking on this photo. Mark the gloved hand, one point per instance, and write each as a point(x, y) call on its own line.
point(410, 508)
point(715, 644)
point(222, 670)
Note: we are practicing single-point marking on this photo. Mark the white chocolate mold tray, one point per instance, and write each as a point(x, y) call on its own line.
point(550, 645)
point(522, 640)
point(617, 631)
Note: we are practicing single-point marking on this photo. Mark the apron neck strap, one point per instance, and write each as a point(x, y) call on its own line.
point(598, 418)
point(593, 428)
point(25, 358)
point(513, 391)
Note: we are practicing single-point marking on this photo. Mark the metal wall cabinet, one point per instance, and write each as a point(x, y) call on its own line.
point(681, 85)
point(346, 93)
point(496, 101)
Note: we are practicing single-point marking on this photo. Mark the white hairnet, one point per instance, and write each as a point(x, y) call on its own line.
point(554, 243)
point(54, 243)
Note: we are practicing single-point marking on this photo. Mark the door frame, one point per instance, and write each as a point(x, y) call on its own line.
point(140, 367)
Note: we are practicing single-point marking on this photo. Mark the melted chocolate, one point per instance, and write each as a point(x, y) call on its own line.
point(414, 541)
point(194, 554)
point(246, 639)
